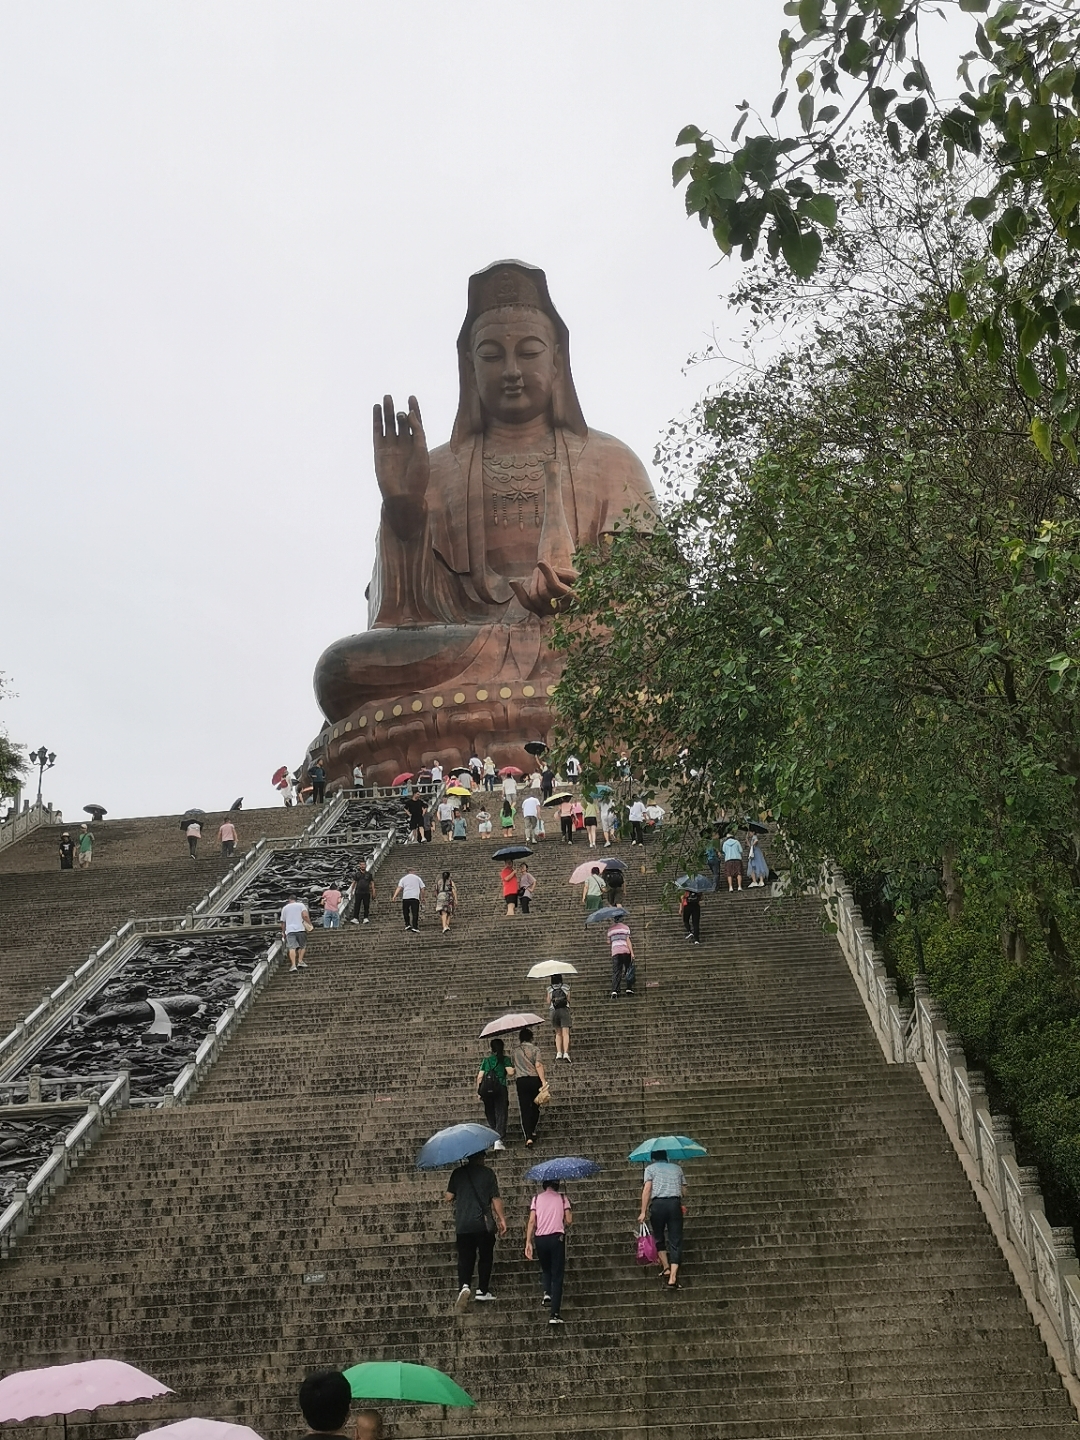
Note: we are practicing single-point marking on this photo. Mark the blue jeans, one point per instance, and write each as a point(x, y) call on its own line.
point(331, 919)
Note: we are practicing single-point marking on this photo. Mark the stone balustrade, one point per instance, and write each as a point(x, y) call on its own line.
point(27, 820)
point(919, 1035)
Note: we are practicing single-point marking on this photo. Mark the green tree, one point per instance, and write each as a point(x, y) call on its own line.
point(862, 615)
point(12, 757)
point(1019, 110)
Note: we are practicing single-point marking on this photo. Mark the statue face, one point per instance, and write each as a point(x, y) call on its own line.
point(516, 360)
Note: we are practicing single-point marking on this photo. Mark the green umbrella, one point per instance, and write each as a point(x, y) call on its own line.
point(397, 1380)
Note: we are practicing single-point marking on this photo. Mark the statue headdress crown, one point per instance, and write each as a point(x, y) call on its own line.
point(504, 284)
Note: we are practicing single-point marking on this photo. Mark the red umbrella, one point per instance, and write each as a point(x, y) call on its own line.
point(279, 774)
point(402, 779)
point(512, 770)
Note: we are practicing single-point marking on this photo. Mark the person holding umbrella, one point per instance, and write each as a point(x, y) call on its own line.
point(511, 886)
point(491, 1086)
point(690, 905)
point(757, 867)
point(529, 1078)
point(592, 892)
point(662, 1200)
point(558, 998)
point(545, 1238)
point(473, 1191)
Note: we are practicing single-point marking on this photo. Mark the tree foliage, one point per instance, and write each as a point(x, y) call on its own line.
point(12, 757)
point(863, 615)
point(1019, 110)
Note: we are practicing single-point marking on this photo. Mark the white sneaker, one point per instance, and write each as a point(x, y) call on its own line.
point(483, 1295)
point(498, 1145)
point(464, 1296)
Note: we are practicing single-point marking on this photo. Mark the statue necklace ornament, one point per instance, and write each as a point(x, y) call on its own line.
point(517, 480)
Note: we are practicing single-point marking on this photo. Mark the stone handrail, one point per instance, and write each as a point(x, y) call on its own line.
point(917, 1034)
point(65, 1157)
point(27, 820)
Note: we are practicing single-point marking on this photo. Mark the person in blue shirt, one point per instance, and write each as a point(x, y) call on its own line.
point(733, 865)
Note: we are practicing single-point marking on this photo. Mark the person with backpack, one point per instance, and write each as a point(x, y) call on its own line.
point(690, 905)
point(558, 997)
point(446, 899)
point(615, 881)
point(491, 1086)
point(473, 1191)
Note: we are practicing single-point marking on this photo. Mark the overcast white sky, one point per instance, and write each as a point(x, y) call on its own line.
point(226, 228)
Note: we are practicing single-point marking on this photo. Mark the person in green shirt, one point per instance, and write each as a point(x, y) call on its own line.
point(492, 1089)
point(592, 892)
point(86, 847)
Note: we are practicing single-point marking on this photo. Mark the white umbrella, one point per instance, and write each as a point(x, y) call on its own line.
point(546, 968)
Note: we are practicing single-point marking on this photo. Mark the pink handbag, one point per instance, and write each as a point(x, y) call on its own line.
point(646, 1246)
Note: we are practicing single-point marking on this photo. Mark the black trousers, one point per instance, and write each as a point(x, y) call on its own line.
point(497, 1110)
point(318, 792)
point(666, 1223)
point(470, 1248)
point(411, 910)
point(637, 832)
point(691, 919)
point(567, 823)
point(551, 1252)
point(528, 1087)
point(362, 903)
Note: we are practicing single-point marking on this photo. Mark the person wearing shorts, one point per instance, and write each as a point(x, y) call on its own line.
point(86, 847)
point(510, 887)
point(294, 927)
point(331, 911)
point(446, 819)
point(662, 1201)
point(560, 1018)
point(733, 863)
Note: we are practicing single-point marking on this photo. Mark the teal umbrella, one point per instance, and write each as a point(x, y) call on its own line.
point(411, 1384)
point(677, 1147)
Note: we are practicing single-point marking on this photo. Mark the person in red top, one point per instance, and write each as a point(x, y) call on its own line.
point(510, 885)
point(545, 1237)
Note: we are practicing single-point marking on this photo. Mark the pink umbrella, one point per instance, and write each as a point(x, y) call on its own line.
point(195, 1429)
point(506, 1023)
point(61, 1389)
point(512, 770)
point(584, 870)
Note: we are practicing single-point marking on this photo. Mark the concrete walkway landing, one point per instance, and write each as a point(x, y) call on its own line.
point(840, 1280)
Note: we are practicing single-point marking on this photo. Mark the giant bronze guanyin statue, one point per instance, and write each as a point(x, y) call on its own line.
point(475, 548)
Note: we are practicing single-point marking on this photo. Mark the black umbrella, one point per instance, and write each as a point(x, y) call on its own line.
point(461, 770)
point(238, 803)
point(190, 815)
point(560, 798)
point(97, 811)
point(535, 747)
point(512, 852)
point(756, 827)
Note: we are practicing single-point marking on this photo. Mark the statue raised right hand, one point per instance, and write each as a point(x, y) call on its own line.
point(402, 467)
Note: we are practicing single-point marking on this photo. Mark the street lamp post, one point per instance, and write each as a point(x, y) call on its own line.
point(44, 760)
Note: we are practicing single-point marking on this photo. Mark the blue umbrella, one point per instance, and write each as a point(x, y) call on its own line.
point(614, 864)
point(677, 1147)
point(605, 915)
point(564, 1167)
point(455, 1144)
point(603, 790)
point(700, 883)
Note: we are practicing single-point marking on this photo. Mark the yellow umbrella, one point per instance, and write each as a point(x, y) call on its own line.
point(457, 790)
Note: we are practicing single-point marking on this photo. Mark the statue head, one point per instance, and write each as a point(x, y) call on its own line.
point(513, 354)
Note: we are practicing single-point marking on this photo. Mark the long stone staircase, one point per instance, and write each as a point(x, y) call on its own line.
point(839, 1278)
